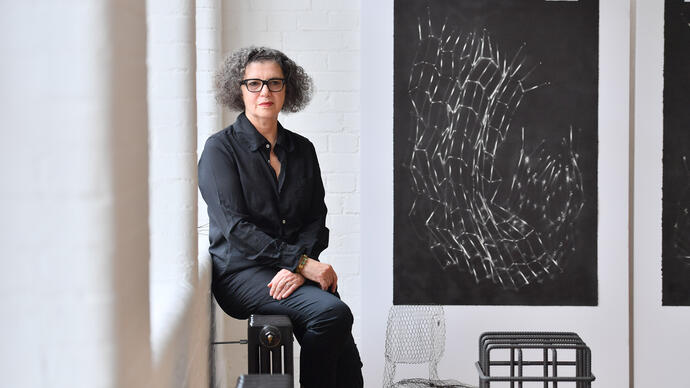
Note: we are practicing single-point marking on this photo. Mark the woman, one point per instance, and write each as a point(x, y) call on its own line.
point(265, 199)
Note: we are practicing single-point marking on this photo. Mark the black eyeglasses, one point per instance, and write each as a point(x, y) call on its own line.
point(255, 85)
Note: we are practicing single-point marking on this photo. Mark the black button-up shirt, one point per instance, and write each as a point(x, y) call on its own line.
point(255, 217)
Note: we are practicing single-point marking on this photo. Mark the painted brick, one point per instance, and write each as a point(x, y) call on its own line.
point(269, 38)
point(343, 20)
point(206, 35)
point(310, 122)
point(165, 29)
point(344, 265)
point(161, 116)
point(343, 143)
point(351, 119)
point(205, 4)
point(173, 168)
point(351, 203)
point(341, 183)
point(313, 21)
point(207, 63)
point(335, 5)
point(320, 142)
point(337, 81)
point(351, 40)
point(322, 102)
point(244, 22)
point(168, 57)
point(311, 61)
point(170, 84)
point(206, 17)
point(273, 5)
point(342, 223)
point(334, 203)
point(350, 288)
point(343, 61)
point(345, 243)
point(346, 101)
point(357, 328)
point(283, 21)
point(170, 7)
point(314, 40)
point(204, 81)
point(332, 162)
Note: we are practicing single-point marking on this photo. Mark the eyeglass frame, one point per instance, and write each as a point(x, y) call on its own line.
point(264, 82)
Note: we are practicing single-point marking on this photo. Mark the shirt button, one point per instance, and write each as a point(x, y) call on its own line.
point(268, 160)
point(268, 146)
point(284, 222)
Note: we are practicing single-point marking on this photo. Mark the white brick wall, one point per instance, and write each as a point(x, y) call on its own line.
point(171, 64)
point(208, 56)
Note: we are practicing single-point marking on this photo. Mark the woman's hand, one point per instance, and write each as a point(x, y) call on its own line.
point(284, 284)
point(322, 273)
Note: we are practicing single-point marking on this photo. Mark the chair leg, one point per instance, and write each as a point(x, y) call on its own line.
point(388, 374)
point(433, 370)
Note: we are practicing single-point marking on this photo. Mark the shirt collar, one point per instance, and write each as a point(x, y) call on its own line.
point(253, 140)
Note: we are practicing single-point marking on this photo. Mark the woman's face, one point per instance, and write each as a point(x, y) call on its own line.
point(264, 104)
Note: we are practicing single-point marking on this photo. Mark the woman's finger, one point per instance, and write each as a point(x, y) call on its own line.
point(275, 284)
point(288, 291)
point(283, 283)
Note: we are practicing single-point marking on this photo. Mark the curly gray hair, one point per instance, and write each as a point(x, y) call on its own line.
point(298, 84)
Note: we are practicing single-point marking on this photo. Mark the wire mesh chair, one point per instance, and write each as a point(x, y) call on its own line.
point(416, 335)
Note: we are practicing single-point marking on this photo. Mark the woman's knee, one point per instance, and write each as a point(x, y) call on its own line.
point(343, 314)
point(335, 316)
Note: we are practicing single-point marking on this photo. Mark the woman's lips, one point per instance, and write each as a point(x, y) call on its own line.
point(266, 104)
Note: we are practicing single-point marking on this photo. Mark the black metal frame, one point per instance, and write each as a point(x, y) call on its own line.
point(549, 343)
point(269, 347)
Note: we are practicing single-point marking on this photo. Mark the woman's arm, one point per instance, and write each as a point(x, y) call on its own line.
point(314, 236)
point(221, 189)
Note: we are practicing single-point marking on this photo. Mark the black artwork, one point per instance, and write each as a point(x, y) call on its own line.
point(495, 133)
point(676, 178)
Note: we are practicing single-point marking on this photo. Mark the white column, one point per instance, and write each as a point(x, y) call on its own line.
point(172, 157)
point(74, 306)
point(208, 57)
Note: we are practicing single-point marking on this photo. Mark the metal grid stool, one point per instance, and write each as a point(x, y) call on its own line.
point(264, 381)
point(269, 340)
point(517, 353)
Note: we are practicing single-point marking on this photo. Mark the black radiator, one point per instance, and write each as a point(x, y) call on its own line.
point(269, 340)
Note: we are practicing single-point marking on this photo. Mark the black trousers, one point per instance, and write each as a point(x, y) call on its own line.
point(322, 324)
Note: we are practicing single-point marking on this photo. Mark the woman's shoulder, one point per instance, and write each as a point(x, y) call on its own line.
point(223, 138)
point(299, 141)
point(220, 143)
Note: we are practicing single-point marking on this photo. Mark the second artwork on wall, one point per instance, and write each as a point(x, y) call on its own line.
point(495, 152)
point(676, 163)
